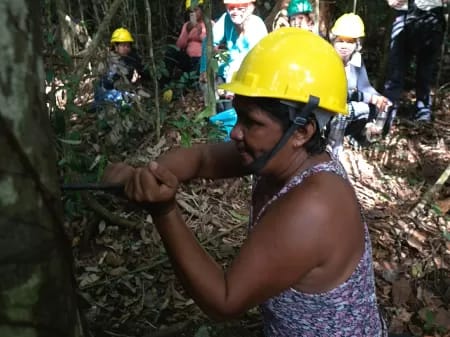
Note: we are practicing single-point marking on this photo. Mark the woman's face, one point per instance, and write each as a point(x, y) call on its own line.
point(301, 21)
point(256, 131)
point(197, 13)
point(240, 12)
point(122, 48)
point(345, 47)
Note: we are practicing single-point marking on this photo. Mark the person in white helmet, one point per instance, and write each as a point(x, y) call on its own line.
point(364, 102)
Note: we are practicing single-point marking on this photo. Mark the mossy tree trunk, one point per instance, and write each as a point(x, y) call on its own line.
point(37, 295)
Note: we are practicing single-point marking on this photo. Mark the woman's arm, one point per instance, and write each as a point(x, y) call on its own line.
point(295, 235)
point(182, 40)
point(220, 160)
point(370, 95)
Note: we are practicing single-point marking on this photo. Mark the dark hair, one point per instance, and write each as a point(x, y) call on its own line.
point(280, 113)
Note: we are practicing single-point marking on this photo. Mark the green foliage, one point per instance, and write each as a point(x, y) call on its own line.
point(191, 129)
point(188, 129)
point(446, 234)
point(187, 80)
point(431, 325)
point(203, 331)
point(205, 113)
point(73, 205)
point(221, 57)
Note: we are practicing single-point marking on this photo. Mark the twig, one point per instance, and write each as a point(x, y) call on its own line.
point(430, 194)
point(152, 60)
point(157, 263)
point(105, 214)
point(171, 331)
point(116, 334)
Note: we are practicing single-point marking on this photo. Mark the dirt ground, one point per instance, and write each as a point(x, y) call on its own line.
point(127, 287)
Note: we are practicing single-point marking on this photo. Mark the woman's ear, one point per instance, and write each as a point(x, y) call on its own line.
point(304, 134)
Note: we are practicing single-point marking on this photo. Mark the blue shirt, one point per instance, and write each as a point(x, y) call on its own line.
point(224, 32)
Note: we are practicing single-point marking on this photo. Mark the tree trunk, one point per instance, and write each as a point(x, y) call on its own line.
point(37, 295)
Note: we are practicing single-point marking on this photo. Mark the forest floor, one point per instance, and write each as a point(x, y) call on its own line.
point(127, 286)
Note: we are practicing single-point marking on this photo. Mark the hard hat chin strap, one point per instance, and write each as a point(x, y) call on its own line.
point(298, 119)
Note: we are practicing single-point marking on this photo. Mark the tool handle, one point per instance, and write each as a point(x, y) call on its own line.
point(109, 187)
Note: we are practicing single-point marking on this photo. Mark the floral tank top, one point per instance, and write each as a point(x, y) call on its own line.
point(347, 310)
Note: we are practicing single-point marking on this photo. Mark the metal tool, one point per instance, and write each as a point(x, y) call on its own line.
point(107, 187)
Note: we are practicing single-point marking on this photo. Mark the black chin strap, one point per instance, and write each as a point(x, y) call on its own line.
point(298, 119)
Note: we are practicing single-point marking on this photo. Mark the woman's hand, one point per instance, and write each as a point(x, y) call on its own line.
point(155, 186)
point(381, 102)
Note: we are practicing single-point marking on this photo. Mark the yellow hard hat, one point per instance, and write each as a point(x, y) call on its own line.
point(121, 35)
point(315, 71)
point(348, 25)
point(193, 2)
point(237, 1)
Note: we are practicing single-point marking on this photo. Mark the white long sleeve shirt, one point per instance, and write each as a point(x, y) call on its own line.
point(424, 5)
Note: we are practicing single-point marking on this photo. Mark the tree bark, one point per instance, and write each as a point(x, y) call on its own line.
point(37, 296)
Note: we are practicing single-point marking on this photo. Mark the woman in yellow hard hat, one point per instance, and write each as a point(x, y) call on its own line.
point(122, 72)
point(306, 281)
point(364, 102)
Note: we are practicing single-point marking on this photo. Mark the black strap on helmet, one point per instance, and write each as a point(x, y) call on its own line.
point(298, 119)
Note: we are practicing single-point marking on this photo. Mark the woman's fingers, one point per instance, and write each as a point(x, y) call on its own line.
point(153, 183)
point(150, 186)
point(163, 175)
point(138, 188)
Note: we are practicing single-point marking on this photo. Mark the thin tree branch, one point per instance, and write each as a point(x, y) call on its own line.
point(102, 28)
point(431, 193)
point(152, 60)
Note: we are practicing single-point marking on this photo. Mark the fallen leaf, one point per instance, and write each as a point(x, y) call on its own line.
point(401, 290)
point(442, 318)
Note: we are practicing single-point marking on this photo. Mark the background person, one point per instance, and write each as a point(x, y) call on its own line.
point(300, 13)
point(417, 30)
point(306, 282)
point(122, 72)
point(236, 31)
point(189, 44)
point(363, 101)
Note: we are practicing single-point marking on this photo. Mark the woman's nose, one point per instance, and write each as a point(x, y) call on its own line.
point(237, 133)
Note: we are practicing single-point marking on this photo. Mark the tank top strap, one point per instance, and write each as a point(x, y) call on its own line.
point(333, 166)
